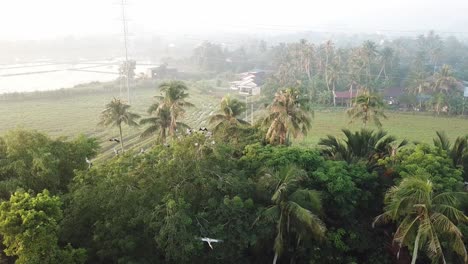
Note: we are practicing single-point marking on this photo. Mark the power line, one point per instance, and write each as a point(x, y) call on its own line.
point(126, 64)
point(60, 70)
point(328, 29)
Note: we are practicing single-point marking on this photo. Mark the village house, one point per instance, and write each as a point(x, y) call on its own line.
point(344, 98)
point(249, 83)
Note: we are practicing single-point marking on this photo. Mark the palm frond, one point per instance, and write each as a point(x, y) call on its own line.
point(442, 141)
point(307, 218)
point(150, 131)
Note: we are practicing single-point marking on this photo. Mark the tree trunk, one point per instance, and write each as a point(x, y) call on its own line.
point(463, 107)
point(326, 69)
point(307, 68)
point(173, 126)
point(334, 96)
point(382, 69)
point(163, 135)
point(251, 113)
point(416, 247)
point(246, 112)
point(275, 258)
point(121, 138)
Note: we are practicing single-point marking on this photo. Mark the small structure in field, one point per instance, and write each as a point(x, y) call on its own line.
point(345, 98)
point(465, 88)
point(391, 95)
point(162, 72)
point(249, 82)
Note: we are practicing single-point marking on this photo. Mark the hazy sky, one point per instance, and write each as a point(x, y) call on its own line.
point(34, 19)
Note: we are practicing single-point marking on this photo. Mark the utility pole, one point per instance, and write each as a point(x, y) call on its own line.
point(251, 112)
point(246, 109)
point(126, 64)
point(463, 107)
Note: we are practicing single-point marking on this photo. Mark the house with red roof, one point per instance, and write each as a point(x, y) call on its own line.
point(345, 98)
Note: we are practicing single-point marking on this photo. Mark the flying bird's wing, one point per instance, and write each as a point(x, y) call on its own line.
point(210, 240)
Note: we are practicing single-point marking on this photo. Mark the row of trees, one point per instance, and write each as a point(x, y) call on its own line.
point(287, 115)
point(429, 68)
point(320, 71)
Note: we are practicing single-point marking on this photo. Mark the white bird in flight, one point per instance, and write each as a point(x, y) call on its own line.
point(90, 164)
point(210, 240)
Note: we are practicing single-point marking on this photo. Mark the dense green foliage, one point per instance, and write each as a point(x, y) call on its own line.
point(32, 161)
point(259, 199)
point(29, 227)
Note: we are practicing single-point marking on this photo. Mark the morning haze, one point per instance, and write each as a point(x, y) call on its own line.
point(300, 132)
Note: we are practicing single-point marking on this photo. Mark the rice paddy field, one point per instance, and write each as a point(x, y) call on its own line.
point(73, 113)
point(77, 112)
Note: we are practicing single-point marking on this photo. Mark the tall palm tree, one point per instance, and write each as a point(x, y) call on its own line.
point(160, 121)
point(333, 76)
point(361, 145)
point(306, 52)
point(228, 116)
point(286, 117)
point(356, 66)
point(329, 51)
point(368, 53)
point(458, 152)
point(444, 81)
point(425, 220)
point(431, 47)
point(117, 113)
point(174, 98)
point(368, 107)
point(418, 83)
point(385, 58)
point(294, 209)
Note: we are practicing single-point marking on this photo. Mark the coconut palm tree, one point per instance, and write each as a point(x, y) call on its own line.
point(174, 98)
point(444, 81)
point(442, 84)
point(368, 108)
point(329, 51)
point(361, 145)
point(294, 209)
point(117, 113)
point(418, 83)
point(458, 152)
point(228, 116)
point(286, 117)
point(425, 220)
point(160, 121)
point(368, 55)
point(333, 76)
point(385, 58)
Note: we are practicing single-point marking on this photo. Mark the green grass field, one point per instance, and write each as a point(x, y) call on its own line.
point(76, 113)
point(410, 126)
